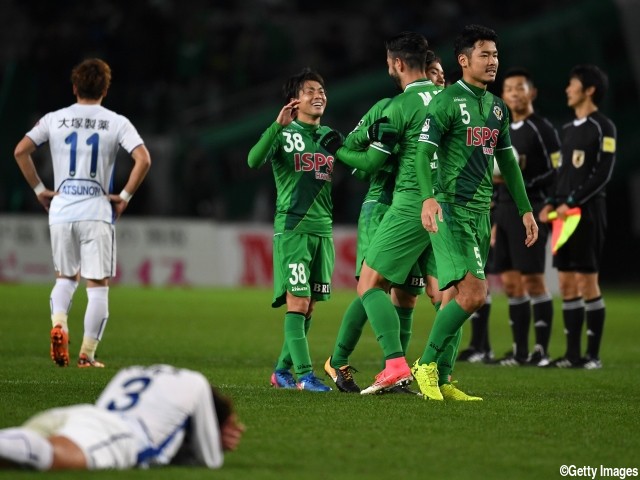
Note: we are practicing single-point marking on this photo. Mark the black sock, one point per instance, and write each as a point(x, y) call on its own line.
point(543, 319)
point(595, 313)
point(520, 318)
point(480, 327)
point(573, 315)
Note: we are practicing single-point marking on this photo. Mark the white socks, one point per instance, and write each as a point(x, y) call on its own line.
point(26, 447)
point(95, 319)
point(60, 300)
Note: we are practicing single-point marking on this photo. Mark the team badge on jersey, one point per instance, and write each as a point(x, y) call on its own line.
point(425, 127)
point(577, 158)
point(497, 111)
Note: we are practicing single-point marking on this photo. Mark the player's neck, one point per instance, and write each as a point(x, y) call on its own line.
point(308, 119)
point(521, 116)
point(88, 101)
point(410, 77)
point(585, 109)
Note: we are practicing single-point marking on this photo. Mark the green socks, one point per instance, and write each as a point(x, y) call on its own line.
point(384, 322)
point(445, 327)
point(296, 327)
point(350, 330)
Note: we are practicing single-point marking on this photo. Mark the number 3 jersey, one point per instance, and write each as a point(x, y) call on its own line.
point(169, 410)
point(83, 140)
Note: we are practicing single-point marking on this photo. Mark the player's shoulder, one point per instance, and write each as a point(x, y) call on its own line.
point(539, 122)
point(604, 122)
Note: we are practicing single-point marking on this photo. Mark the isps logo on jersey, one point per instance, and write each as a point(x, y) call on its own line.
point(480, 136)
point(317, 162)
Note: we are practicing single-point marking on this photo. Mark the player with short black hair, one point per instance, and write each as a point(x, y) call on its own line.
point(586, 165)
point(468, 127)
point(303, 250)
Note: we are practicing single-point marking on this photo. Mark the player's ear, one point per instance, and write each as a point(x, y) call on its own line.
point(534, 93)
point(463, 60)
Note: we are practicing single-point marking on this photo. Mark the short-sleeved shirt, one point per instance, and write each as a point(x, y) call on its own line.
point(84, 141)
point(167, 407)
point(468, 125)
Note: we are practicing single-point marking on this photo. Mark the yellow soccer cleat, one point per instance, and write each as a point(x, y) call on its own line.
point(451, 392)
point(427, 378)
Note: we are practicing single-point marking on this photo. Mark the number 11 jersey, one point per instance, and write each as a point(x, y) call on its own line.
point(84, 140)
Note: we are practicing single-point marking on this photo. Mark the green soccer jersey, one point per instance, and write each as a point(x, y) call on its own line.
point(468, 125)
point(406, 112)
point(302, 171)
point(381, 182)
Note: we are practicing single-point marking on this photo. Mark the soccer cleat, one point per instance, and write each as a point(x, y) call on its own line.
point(427, 378)
point(283, 379)
point(312, 383)
point(565, 362)
point(388, 378)
point(591, 363)
point(342, 377)
point(85, 362)
point(511, 362)
point(470, 355)
point(59, 346)
point(402, 389)
point(451, 392)
point(538, 358)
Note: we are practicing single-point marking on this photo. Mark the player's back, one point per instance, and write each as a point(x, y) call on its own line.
point(407, 112)
point(160, 401)
point(84, 140)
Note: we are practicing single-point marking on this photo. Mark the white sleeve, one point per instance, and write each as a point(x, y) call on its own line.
point(128, 136)
point(39, 134)
point(205, 431)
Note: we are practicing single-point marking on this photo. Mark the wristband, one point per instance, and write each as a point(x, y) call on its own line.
point(126, 196)
point(38, 189)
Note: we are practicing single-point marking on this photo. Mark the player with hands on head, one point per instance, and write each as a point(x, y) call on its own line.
point(84, 139)
point(303, 250)
point(468, 127)
point(588, 150)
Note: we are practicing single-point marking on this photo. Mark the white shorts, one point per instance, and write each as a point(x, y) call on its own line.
point(107, 441)
point(88, 247)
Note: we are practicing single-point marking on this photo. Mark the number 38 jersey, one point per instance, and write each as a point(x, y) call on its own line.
point(170, 410)
point(83, 140)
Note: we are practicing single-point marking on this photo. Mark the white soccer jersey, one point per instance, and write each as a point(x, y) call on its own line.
point(84, 140)
point(169, 409)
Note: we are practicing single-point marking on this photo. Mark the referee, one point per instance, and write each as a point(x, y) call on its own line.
point(587, 159)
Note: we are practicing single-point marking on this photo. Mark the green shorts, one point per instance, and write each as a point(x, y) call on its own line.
point(400, 251)
point(461, 244)
point(371, 215)
point(302, 265)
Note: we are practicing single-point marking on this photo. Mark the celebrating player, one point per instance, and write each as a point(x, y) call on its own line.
point(84, 139)
point(303, 251)
point(145, 416)
point(587, 159)
point(468, 126)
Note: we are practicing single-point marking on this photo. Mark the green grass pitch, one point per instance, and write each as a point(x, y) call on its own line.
point(532, 421)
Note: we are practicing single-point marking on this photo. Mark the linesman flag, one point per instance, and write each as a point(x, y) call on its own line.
point(561, 230)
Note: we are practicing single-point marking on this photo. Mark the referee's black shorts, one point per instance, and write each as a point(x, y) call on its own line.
point(583, 251)
point(510, 252)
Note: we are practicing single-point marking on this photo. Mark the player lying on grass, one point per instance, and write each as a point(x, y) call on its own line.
point(145, 416)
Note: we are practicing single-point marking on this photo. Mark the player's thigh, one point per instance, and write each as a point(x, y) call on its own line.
point(461, 244)
point(65, 249)
point(105, 439)
point(396, 247)
point(371, 214)
point(97, 249)
point(414, 284)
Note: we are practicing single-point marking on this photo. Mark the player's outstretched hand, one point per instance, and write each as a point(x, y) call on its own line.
point(531, 227)
point(288, 113)
point(118, 204)
point(331, 141)
point(45, 198)
point(231, 432)
point(382, 131)
point(431, 214)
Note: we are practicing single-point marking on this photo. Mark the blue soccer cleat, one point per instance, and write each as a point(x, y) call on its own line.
point(283, 379)
point(312, 383)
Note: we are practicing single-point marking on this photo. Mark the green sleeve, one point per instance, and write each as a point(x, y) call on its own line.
point(261, 151)
point(424, 154)
point(512, 175)
point(368, 161)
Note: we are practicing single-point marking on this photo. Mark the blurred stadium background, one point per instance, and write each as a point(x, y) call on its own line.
point(201, 80)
